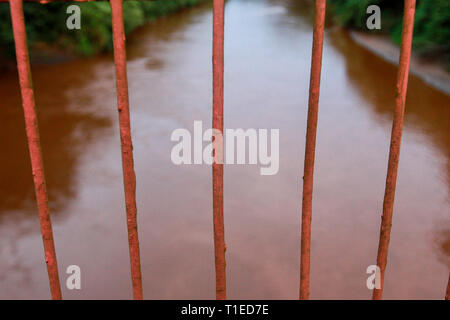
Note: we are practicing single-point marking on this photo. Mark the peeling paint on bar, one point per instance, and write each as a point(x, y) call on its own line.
point(217, 169)
point(310, 148)
point(129, 176)
point(32, 130)
point(396, 138)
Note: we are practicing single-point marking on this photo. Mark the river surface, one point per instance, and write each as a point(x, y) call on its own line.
point(268, 50)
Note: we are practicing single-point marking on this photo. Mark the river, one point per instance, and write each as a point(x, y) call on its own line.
point(267, 61)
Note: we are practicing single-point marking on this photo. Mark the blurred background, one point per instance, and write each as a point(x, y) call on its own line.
point(46, 23)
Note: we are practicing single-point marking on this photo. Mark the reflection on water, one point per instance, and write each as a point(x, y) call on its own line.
point(268, 45)
point(67, 121)
point(428, 111)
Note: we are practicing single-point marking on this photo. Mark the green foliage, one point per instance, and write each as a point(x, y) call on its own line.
point(47, 28)
point(431, 28)
point(47, 24)
point(95, 33)
point(352, 13)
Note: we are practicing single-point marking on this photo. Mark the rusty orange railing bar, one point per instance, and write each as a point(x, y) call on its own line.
point(32, 130)
point(217, 168)
point(310, 147)
point(396, 138)
point(129, 176)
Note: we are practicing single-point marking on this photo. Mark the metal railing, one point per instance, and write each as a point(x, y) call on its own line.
point(129, 177)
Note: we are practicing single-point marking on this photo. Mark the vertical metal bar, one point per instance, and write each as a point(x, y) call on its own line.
point(447, 295)
point(396, 137)
point(32, 130)
point(217, 168)
point(310, 147)
point(129, 176)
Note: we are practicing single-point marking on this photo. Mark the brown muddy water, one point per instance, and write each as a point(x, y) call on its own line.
point(268, 48)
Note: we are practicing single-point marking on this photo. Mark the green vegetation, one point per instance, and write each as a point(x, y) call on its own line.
point(47, 24)
point(431, 29)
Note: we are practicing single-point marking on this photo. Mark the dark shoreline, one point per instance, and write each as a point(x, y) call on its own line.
point(433, 73)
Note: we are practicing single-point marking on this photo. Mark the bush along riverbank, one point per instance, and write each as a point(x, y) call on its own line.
point(431, 28)
point(46, 25)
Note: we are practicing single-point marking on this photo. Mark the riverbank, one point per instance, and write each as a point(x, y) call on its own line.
point(431, 72)
point(50, 40)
